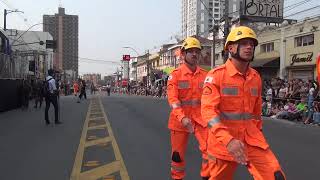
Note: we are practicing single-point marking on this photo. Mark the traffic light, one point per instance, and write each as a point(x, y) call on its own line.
point(51, 44)
point(126, 57)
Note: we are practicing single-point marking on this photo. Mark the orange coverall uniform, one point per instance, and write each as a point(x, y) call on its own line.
point(75, 88)
point(184, 94)
point(231, 105)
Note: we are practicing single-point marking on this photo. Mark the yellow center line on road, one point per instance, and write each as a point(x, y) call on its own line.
point(104, 170)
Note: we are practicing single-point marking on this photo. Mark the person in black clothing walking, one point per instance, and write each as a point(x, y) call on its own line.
point(83, 90)
point(38, 88)
point(51, 96)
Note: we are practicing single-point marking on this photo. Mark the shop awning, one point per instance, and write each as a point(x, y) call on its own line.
point(168, 70)
point(273, 62)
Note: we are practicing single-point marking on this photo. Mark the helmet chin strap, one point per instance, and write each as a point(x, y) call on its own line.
point(237, 55)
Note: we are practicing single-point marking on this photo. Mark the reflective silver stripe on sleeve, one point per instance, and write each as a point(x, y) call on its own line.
point(257, 117)
point(254, 91)
point(233, 91)
point(211, 157)
point(194, 102)
point(214, 121)
point(175, 105)
point(183, 85)
point(179, 169)
point(238, 116)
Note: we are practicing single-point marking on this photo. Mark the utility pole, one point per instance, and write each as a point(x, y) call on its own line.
point(226, 27)
point(213, 48)
point(5, 20)
point(6, 12)
point(148, 67)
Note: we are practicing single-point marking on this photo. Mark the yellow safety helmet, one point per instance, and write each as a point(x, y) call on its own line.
point(190, 42)
point(240, 32)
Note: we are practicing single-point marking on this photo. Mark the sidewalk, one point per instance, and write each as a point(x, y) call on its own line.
point(31, 150)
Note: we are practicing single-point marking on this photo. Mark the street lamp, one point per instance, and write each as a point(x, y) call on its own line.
point(24, 33)
point(6, 12)
point(128, 47)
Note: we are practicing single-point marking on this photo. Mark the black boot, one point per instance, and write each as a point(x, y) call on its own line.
point(205, 178)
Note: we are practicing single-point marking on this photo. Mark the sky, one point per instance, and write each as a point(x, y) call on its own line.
point(106, 26)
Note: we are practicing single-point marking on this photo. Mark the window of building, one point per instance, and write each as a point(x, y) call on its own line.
point(202, 28)
point(216, 10)
point(217, 56)
point(216, 15)
point(306, 40)
point(268, 47)
point(216, 4)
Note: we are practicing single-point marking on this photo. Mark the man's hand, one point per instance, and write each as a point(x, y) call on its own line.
point(236, 149)
point(186, 122)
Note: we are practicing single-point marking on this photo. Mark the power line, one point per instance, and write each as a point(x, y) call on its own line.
point(305, 10)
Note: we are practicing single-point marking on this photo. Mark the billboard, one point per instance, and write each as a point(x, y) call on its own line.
point(263, 10)
point(126, 57)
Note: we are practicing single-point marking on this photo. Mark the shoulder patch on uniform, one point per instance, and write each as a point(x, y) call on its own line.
point(208, 79)
point(207, 91)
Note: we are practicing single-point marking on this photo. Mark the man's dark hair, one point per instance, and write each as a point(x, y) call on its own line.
point(50, 72)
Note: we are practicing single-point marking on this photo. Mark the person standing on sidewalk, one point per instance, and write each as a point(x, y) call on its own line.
point(38, 93)
point(184, 94)
point(231, 105)
point(83, 90)
point(51, 96)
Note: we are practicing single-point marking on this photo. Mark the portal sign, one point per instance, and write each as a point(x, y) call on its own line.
point(264, 8)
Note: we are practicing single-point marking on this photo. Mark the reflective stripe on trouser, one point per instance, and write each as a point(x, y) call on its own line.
point(262, 165)
point(179, 141)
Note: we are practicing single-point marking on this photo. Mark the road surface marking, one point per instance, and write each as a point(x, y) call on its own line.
point(100, 171)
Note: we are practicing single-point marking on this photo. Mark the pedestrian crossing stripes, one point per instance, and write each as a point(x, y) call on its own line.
point(98, 156)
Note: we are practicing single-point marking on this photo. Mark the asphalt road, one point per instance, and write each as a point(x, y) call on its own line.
point(31, 150)
point(140, 128)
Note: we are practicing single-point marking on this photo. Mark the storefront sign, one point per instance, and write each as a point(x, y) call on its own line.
point(303, 57)
point(264, 8)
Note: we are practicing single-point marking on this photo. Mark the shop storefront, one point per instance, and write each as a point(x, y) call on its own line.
point(302, 66)
point(268, 68)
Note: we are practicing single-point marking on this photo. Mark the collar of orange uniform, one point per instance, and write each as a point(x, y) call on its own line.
point(186, 70)
point(232, 70)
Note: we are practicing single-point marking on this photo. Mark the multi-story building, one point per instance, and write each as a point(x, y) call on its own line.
point(142, 69)
point(92, 78)
point(133, 69)
point(287, 52)
point(30, 55)
point(64, 29)
point(198, 16)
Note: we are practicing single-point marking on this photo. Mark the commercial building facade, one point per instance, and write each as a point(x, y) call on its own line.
point(288, 51)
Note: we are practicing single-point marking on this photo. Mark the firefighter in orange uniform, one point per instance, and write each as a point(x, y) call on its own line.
point(231, 105)
point(184, 90)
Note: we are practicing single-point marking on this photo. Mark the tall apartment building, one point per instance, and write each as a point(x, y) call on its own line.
point(64, 29)
point(196, 19)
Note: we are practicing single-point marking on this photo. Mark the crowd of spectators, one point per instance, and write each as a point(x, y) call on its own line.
point(157, 90)
point(295, 100)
